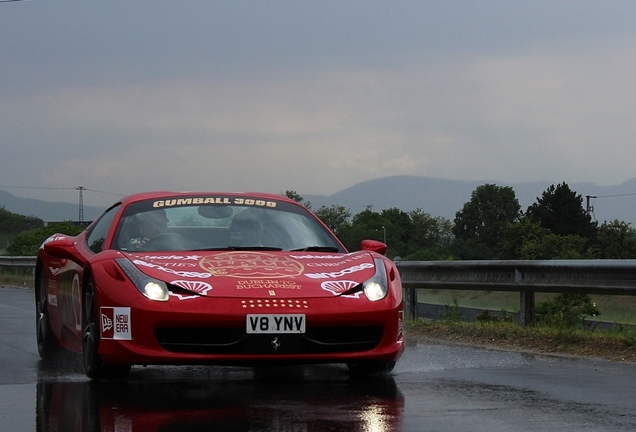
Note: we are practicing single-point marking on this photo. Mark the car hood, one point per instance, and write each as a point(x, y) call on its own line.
point(259, 274)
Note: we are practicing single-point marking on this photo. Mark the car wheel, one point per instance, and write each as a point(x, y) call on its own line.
point(93, 365)
point(371, 367)
point(47, 345)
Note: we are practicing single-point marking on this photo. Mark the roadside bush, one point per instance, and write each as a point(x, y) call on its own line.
point(566, 311)
point(486, 317)
point(452, 313)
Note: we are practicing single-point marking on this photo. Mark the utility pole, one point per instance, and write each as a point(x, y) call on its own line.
point(81, 189)
point(589, 208)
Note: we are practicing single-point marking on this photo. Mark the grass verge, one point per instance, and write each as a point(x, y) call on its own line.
point(616, 345)
point(20, 281)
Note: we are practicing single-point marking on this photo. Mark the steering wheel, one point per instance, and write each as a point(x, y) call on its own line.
point(165, 240)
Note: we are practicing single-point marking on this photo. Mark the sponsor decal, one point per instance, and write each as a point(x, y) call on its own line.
point(194, 286)
point(185, 274)
point(255, 265)
point(213, 200)
point(339, 287)
point(51, 299)
point(328, 264)
point(180, 264)
point(115, 323)
point(168, 258)
point(56, 266)
point(267, 284)
point(343, 258)
point(340, 273)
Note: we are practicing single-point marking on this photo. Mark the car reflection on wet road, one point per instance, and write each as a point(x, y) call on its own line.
point(221, 398)
point(434, 387)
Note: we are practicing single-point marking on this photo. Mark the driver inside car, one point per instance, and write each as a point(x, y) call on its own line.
point(151, 225)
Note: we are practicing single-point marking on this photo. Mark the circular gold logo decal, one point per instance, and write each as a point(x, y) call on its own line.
point(251, 265)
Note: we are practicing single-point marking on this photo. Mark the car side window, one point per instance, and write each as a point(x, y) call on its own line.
point(97, 235)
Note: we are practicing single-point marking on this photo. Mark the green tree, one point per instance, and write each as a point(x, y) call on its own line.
point(616, 240)
point(430, 231)
point(478, 226)
point(430, 239)
point(552, 246)
point(561, 211)
point(366, 225)
point(28, 242)
point(397, 231)
point(516, 235)
point(292, 194)
point(12, 224)
point(336, 217)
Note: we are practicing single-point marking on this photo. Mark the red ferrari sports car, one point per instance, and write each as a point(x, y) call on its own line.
point(215, 278)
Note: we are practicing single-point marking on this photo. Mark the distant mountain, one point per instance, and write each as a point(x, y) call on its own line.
point(438, 197)
point(46, 210)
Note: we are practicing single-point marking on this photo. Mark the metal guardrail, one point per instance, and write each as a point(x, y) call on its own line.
point(22, 265)
point(17, 261)
point(608, 277)
point(614, 277)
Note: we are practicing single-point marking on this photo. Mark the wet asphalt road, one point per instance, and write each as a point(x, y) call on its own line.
point(434, 387)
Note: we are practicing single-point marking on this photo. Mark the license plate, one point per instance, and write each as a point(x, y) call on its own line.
point(264, 323)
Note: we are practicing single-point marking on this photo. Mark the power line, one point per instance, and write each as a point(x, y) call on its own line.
point(36, 187)
point(102, 192)
point(590, 208)
point(58, 188)
point(613, 196)
point(81, 190)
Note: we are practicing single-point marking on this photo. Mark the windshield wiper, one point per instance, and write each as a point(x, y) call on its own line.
point(317, 249)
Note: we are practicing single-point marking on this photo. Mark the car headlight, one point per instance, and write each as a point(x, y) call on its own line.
point(377, 287)
point(152, 288)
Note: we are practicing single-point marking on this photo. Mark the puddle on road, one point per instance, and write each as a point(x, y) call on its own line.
point(438, 357)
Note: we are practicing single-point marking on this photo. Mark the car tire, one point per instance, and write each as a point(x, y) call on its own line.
point(370, 367)
point(46, 343)
point(93, 365)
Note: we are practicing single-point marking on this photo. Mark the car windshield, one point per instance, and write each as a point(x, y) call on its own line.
point(220, 223)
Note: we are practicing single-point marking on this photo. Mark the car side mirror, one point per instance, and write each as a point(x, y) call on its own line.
point(373, 246)
point(64, 248)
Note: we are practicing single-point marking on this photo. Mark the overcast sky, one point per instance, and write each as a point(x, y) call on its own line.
point(122, 96)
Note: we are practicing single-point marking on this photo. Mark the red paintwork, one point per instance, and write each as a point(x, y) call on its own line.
point(225, 286)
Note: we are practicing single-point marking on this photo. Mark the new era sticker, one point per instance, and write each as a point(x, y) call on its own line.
point(115, 323)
